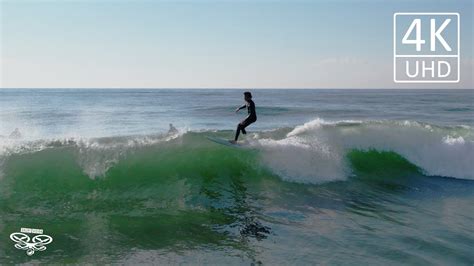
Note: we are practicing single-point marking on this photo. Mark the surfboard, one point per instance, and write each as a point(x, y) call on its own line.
point(225, 142)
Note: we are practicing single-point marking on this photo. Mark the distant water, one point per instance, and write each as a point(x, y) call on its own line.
point(98, 113)
point(328, 177)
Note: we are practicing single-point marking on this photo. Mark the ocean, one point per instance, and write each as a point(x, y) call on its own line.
point(345, 177)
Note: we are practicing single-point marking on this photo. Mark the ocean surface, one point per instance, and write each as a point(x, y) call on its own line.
point(345, 177)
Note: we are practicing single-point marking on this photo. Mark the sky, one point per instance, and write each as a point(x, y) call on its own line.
point(211, 44)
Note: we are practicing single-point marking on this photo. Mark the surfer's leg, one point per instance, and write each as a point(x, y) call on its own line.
point(245, 123)
point(237, 132)
point(242, 125)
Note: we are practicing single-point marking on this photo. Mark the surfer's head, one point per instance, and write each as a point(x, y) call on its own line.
point(247, 95)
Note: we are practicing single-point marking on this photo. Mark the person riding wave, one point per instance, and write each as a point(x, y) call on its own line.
point(251, 118)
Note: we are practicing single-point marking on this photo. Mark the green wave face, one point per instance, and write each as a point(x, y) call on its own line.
point(176, 196)
point(374, 164)
point(171, 195)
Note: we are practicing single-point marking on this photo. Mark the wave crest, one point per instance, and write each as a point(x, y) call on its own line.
point(314, 152)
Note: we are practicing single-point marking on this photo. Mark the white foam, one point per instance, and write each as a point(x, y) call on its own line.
point(438, 151)
point(300, 160)
point(95, 155)
point(317, 123)
point(312, 125)
point(453, 140)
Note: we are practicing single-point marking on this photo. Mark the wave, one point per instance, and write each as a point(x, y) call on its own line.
point(316, 152)
point(438, 151)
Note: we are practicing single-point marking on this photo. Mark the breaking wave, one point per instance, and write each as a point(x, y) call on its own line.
point(316, 152)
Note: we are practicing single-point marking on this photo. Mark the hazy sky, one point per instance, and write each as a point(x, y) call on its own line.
point(210, 44)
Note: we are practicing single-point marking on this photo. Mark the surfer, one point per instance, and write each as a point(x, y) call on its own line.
point(172, 130)
point(15, 134)
point(252, 117)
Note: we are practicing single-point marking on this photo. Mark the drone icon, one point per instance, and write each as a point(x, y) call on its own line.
point(37, 243)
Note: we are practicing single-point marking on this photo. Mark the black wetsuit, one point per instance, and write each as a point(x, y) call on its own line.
point(252, 117)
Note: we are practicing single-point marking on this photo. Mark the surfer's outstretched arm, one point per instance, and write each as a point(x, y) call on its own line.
point(240, 108)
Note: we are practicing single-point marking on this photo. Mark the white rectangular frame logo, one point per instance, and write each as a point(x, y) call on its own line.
point(458, 55)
